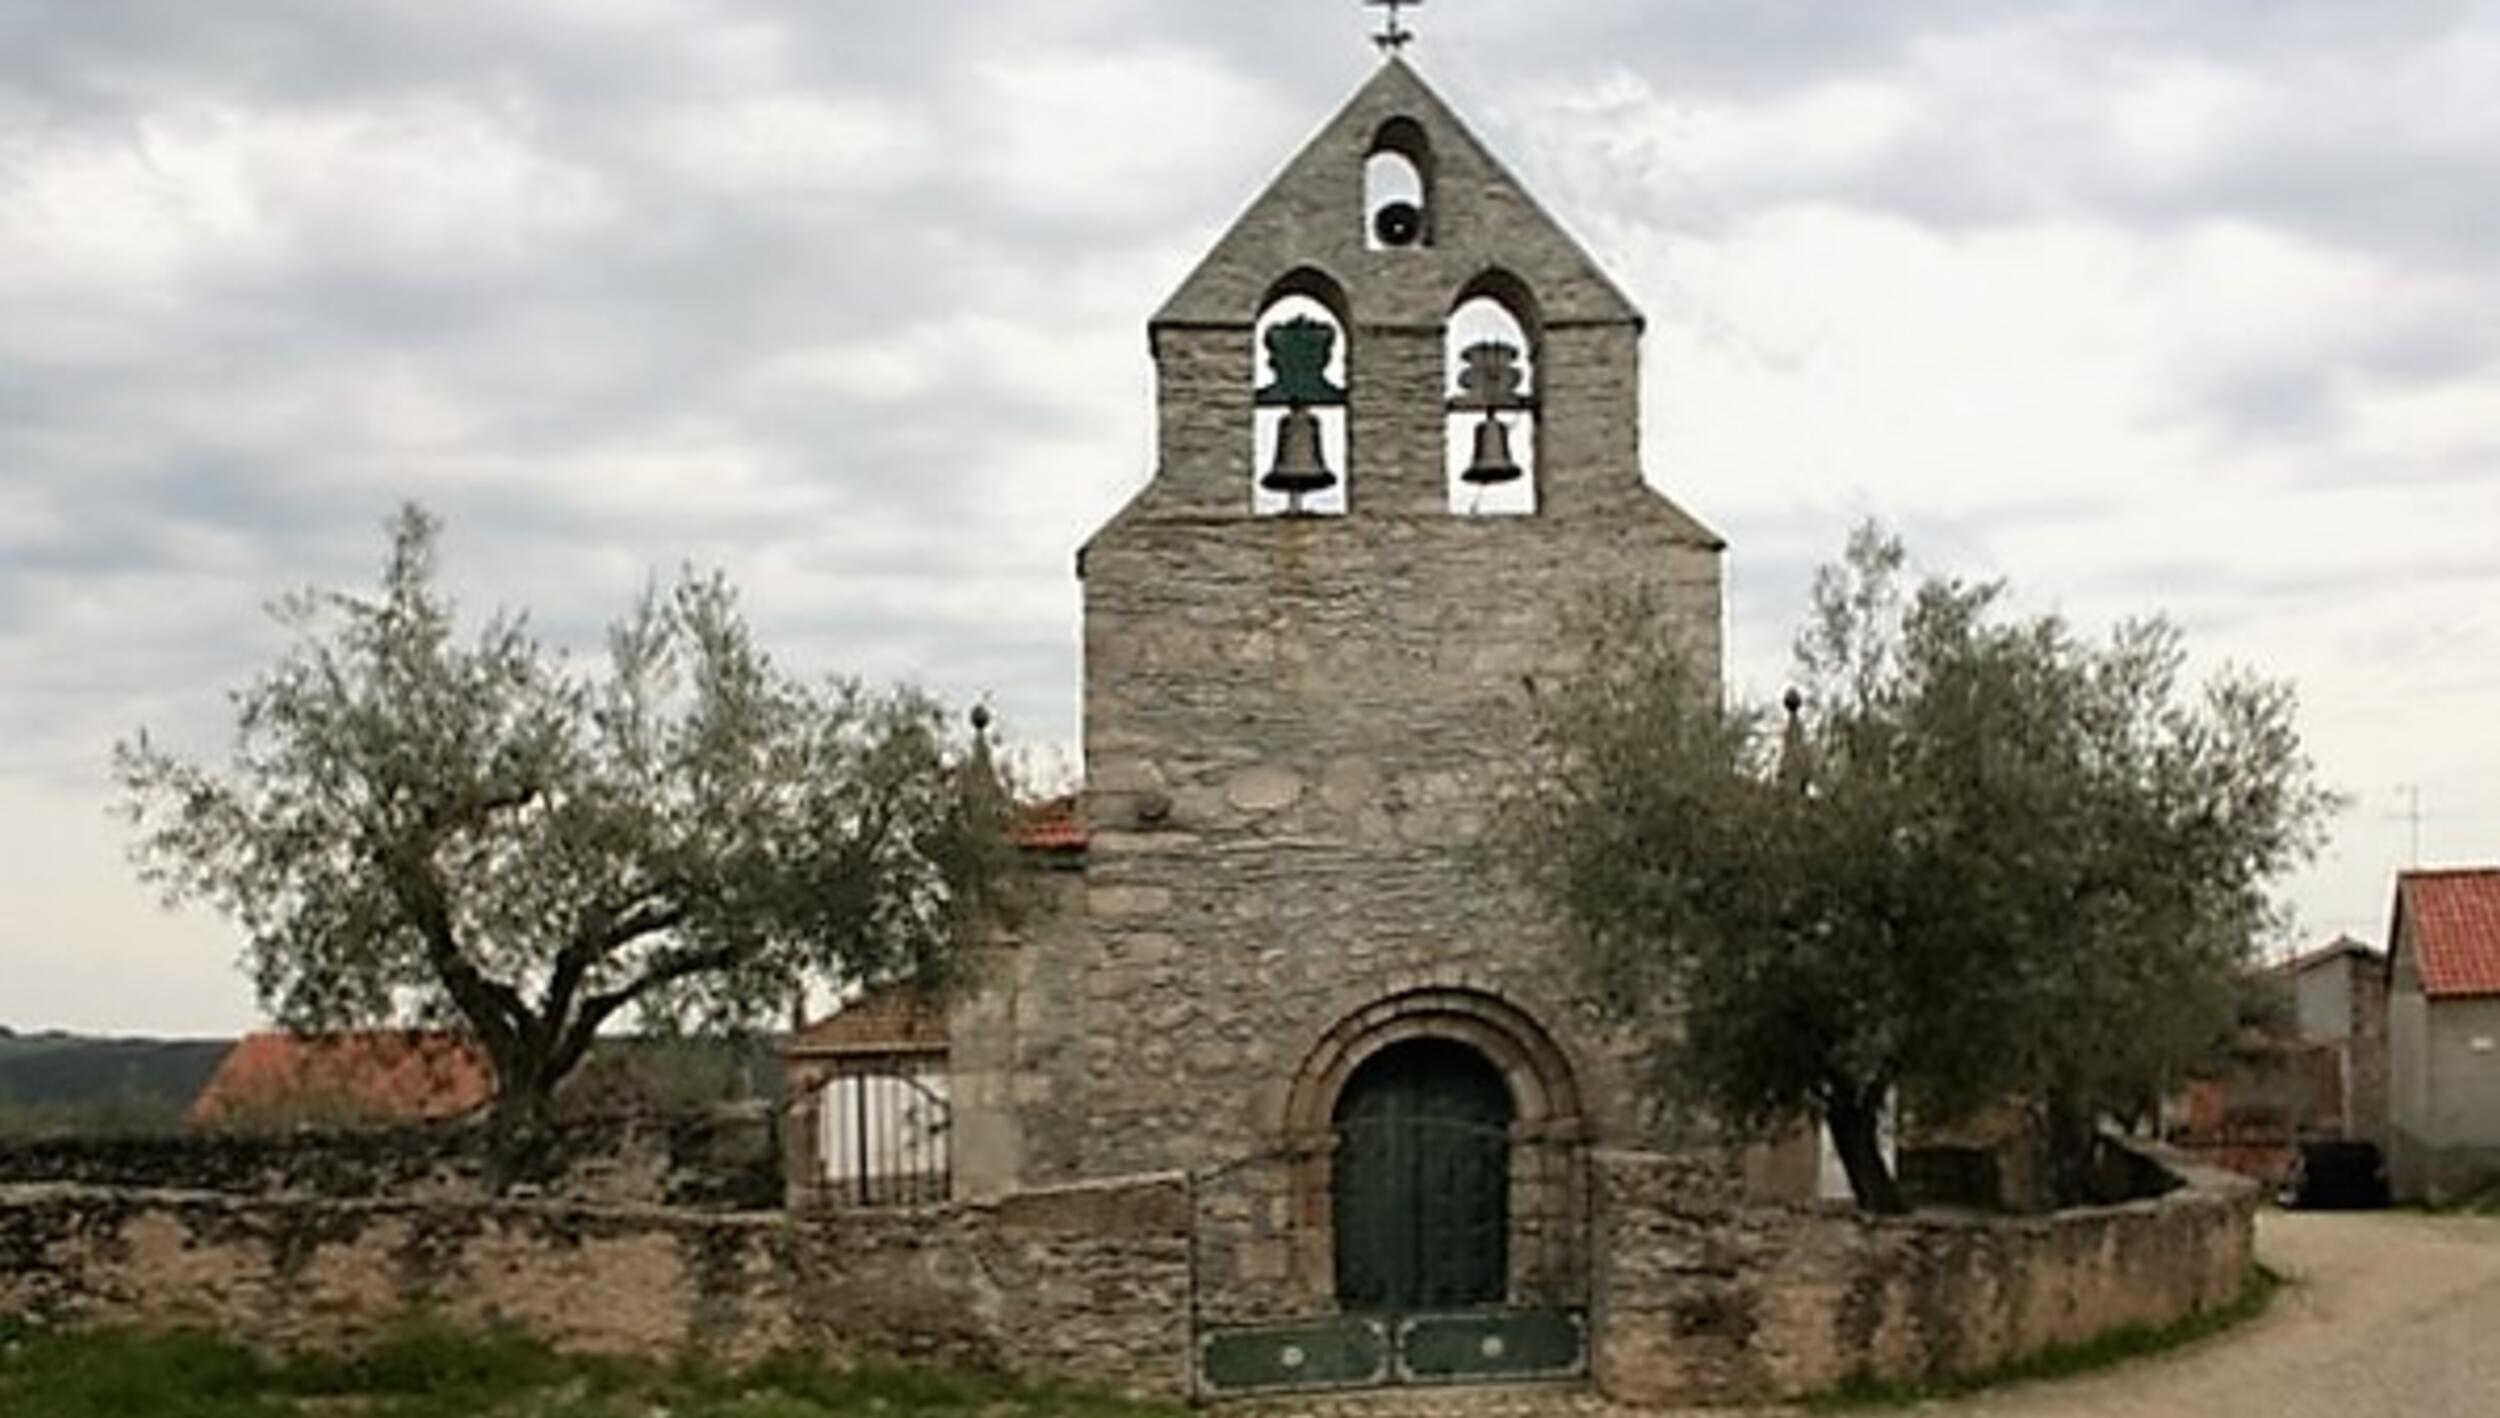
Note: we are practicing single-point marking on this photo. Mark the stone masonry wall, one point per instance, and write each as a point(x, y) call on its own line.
point(1702, 1300)
point(1297, 734)
point(1086, 1283)
point(1698, 1297)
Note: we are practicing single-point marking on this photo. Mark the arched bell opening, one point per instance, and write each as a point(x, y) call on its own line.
point(1397, 187)
point(1300, 362)
point(1494, 385)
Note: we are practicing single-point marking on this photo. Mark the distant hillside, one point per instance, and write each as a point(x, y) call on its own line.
point(56, 1082)
point(53, 1080)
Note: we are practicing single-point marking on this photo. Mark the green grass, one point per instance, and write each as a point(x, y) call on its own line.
point(2116, 1347)
point(425, 1373)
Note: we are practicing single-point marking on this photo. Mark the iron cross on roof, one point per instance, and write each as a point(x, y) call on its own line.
point(1395, 37)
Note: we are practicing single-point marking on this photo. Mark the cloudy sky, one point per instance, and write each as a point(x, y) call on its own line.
point(2188, 305)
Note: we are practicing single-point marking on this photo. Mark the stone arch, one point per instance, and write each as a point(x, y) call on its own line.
point(1310, 283)
point(1398, 167)
point(1545, 1092)
point(1506, 288)
point(1548, 1126)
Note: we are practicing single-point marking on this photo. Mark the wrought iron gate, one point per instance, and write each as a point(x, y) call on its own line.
point(1447, 1251)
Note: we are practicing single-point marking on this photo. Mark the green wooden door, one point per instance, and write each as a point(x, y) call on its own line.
point(1422, 1181)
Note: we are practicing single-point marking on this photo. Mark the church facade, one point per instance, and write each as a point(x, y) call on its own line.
point(1312, 1086)
point(1297, 721)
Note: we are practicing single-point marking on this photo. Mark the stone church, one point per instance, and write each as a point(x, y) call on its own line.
point(1399, 442)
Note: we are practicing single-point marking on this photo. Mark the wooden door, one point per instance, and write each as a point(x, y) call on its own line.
point(1421, 1184)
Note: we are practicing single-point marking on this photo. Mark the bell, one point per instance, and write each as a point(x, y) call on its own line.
point(1301, 465)
point(1493, 463)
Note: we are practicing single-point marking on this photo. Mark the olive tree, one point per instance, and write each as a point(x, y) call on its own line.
point(1974, 858)
point(417, 827)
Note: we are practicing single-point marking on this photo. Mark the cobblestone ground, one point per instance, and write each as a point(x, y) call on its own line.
point(2389, 1314)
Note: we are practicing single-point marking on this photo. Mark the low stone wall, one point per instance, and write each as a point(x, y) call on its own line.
point(722, 1160)
point(1088, 1283)
point(1698, 1296)
point(1700, 1299)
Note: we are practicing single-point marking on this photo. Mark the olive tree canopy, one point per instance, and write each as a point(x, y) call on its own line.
point(1975, 859)
point(419, 828)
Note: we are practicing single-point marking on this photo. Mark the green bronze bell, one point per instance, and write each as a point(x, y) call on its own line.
point(1493, 463)
point(1300, 350)
point(1301, 464)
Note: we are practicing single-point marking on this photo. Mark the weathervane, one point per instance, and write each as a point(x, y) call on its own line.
point(1396, 36)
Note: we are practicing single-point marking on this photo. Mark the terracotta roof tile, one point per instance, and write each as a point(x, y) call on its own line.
point(1053, 826)
point(400, 1075)
point(2456, 928)
point(887, 1021)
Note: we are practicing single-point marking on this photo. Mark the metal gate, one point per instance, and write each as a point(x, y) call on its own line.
point(1425, 1241)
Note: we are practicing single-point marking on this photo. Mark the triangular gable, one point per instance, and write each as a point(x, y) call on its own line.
point(1312, 215)
point(2448, 922)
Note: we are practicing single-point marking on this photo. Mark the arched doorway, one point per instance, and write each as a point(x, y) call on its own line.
point(1421, 1184)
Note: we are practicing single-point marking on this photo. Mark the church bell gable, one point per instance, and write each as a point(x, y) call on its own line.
point(1383, 242)
point(1399, 447)
point(1476, 216)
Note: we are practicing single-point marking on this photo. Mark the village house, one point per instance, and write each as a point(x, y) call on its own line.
point(278, 1079)
point(2299, 1100)
point(2339, 1004)
point(2443, 1033)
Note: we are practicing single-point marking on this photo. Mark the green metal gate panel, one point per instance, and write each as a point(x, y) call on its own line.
point(1381, 1351)
point(1507, 1345)
point(1342, 1351)
point(1420, 1207)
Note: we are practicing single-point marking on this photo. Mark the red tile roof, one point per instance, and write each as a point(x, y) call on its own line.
point(1053, 826)
point(2455, 917)
point(894, 1020)
point(380, 1075)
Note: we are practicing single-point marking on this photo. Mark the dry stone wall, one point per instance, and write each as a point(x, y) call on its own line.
point(1085, 1283)
point(1698, 1297)
point(1701, 1299)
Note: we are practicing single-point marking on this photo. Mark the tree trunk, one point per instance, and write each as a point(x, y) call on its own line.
point(1855, 1118)
point(2068, 1140)
point(523, 1145)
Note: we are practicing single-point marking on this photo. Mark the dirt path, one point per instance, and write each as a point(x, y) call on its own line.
point(2387, 1314)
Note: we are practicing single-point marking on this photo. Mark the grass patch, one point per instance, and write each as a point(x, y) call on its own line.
point(438, 1373)
point(2116, 1347)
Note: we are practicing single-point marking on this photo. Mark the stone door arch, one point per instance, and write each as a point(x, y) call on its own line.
point(1543, 1172)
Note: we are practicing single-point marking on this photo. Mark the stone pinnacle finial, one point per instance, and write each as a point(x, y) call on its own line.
point(1796, 769)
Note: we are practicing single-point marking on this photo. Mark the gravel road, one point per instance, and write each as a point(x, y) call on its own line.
point(2387, 1314)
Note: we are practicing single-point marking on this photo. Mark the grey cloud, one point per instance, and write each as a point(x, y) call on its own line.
point(233, 432)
